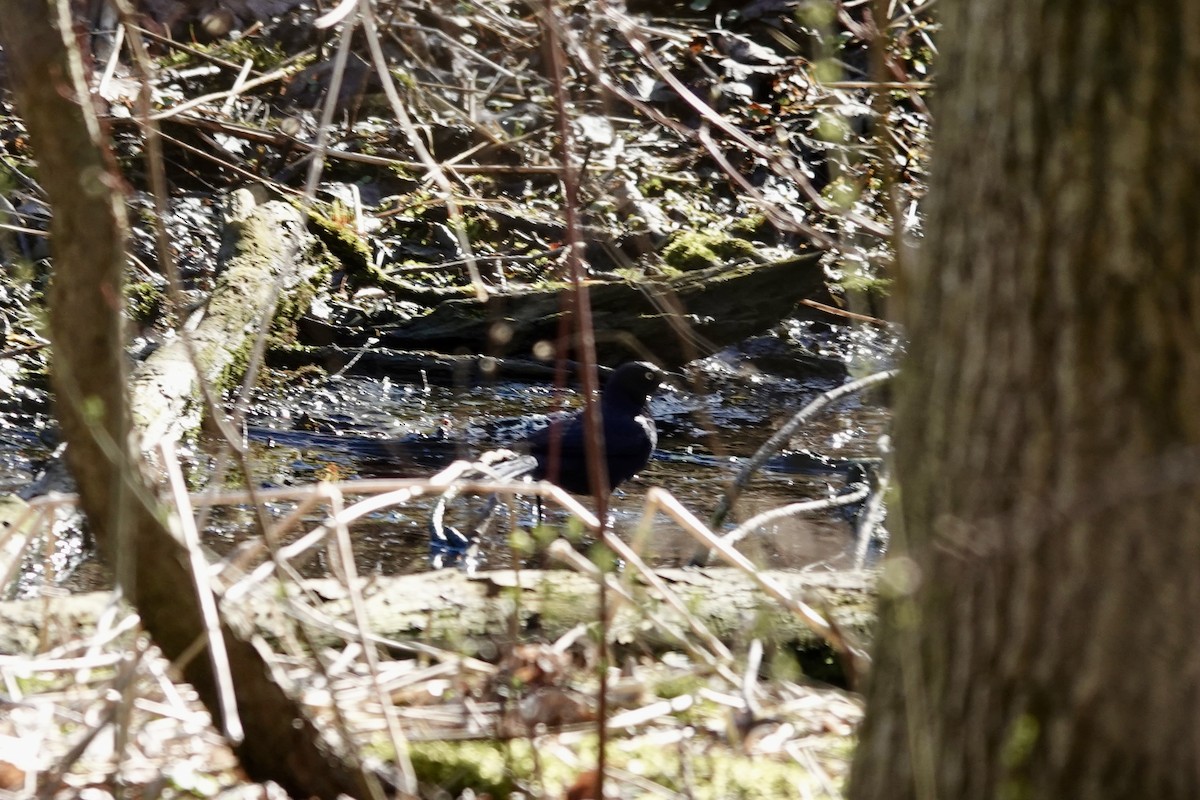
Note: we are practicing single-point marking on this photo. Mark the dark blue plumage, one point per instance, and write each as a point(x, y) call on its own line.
point(629, 433)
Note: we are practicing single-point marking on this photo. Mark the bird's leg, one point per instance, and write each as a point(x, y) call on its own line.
point(446, 543)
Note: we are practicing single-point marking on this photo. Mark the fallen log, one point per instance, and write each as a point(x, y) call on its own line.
point(268, 256)
point(472, 614)
point(670, 320)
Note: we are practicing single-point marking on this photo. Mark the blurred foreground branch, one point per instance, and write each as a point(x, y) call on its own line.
point(88, 235)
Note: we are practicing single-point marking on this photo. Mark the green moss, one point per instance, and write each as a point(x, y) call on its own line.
point(405, 79)
point(173, 58)
point(479, 226)
point(630, 274)
point(295, 303)
point(333, 228)
point(239, 362)
point(749, 227)
point(265, 54)
point(731, 247)
point(689, 250)
point(679, 685)
point(454, 767)
point(291, 305)
point(717, 772)
point(143, 301)
point(862, 282)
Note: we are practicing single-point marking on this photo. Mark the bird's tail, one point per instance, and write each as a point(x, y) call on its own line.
point(506, 465)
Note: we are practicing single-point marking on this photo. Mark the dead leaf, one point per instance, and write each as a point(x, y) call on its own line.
point(12, 777)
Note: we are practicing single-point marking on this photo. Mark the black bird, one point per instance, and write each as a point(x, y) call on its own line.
point(629, 433)
point(629, 440)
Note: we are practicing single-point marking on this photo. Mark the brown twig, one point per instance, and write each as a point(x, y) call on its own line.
point(841, 312)
point(585, 333)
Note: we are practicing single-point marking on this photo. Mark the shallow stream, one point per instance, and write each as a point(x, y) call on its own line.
point(714, 416)
point(710, 421)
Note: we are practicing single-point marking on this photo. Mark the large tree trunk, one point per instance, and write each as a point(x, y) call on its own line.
point(88, 238)
point(1040, 639)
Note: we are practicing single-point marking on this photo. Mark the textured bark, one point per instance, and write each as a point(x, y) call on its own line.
point(1040, 637)
point(88, 234)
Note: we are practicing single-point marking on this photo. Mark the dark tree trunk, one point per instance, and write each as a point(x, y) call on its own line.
point(1039, 640)
point(88, 238)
